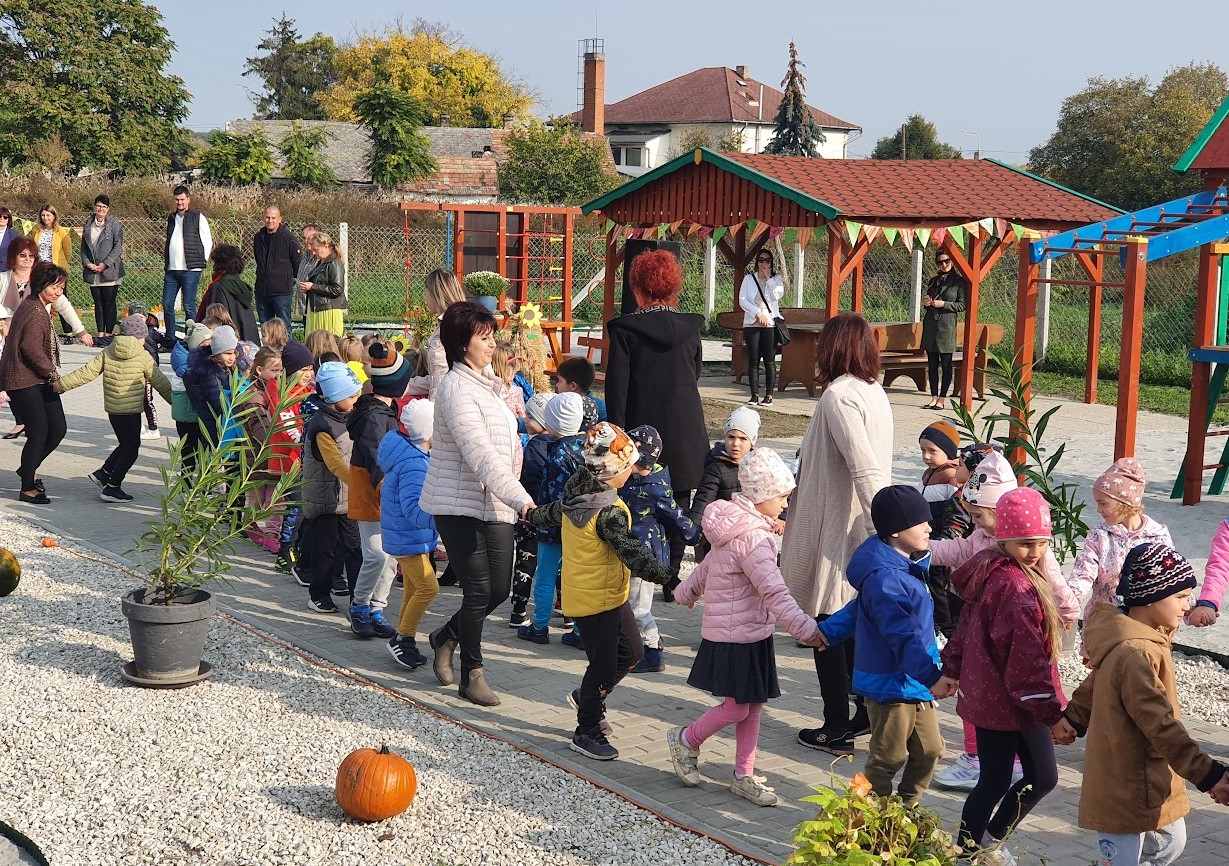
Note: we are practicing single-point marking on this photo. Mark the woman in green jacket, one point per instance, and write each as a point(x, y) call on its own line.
point(943, 301)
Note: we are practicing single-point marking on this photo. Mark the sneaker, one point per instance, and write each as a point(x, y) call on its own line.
point(767, 401)
point(667, 594)
point(322, 605)
point(284, 562)
point(341, 586)
point(994, 852)
point(753, 400)
point(573, 639)
point(594, 745)
point(405, 652)
point(151, 433)
point(838, 743)
point(574, 703)
point(685, 760)
point(300, 578)
point(962, 774)
point(100, 477)
point(860, 724)
point(753, 788)
point(528, 632)
point(568, 622)
point(652, 662)
point(384, 628)
point(114, 494)
point(516, 620)
point(360, 620)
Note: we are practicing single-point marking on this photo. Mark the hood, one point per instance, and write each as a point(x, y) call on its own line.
point(125, 348)
point(725, 521)
point(717, 452)
point(396, 447)
point(656, 481)
point(875, 554)
point(662, 329)
point(1106, 627)
point(584, 495)
point(234, 286)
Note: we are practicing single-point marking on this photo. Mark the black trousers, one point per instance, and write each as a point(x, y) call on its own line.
point(128, 433)
point(526, 563)
point(480, 553)
point(761, 347)
point(834, 667)
point(613, 645)
point(935, 361)
point(40, 409)
point(996, 751)
point(677, 545)
point(190, 435)
point(104, 307)
point(331, 537)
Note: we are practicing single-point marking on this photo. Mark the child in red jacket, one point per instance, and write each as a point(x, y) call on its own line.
point(286, 441)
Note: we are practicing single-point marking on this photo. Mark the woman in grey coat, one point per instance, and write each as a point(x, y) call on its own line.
point(943, 301)
point(102, 252)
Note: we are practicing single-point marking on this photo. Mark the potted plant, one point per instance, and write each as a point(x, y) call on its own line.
point(486, 287)
point(202, 512)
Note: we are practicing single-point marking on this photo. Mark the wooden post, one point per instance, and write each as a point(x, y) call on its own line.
point(974, 273)
point(710, 278)
point(836, 250)
point(458, 245)
point(858, 274)
point(1132, 338)
point(1026, 328)
point(1201, 375)
point(343, 243)
point(569, 229)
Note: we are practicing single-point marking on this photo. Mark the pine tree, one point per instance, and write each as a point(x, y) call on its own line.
point(795, 132)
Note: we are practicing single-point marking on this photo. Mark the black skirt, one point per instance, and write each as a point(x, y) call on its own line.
point(746, 672)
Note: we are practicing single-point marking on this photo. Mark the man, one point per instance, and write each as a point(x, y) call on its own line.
point(188, 245)
point(305, 266)
point(277, 255)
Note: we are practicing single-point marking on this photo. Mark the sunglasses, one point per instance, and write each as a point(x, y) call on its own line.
point(943, 261)
point(763, 261)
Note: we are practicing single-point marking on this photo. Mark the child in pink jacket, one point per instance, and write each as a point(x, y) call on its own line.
point(1215, 581)
point(744, 598)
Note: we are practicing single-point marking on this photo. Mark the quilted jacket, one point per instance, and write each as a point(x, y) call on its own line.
point(324, 492)
point(206, 384)
point(563, 457)
point(368, 423)
point(125, 366)
point(406, 529)
point(656, 517)
point(1098, 566)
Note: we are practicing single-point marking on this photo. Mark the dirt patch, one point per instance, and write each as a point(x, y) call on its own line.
point(773, 425)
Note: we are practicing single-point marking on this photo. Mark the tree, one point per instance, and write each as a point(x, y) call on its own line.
point(554, 165)
point(91, 73)
point(237, 159)
point(294, 72)
point(399, 151)
point(730, 141)
point(795, 132)
point(434, 67)
point(304, 160)
point(917, 138)
point(1118, 138)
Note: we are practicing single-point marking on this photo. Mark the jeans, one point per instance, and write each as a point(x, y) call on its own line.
point(903, 735)
point(274, 307)
point(480, 552)
point(128, 432)
point(935, 361)
point(1155, 848)
point(41, 411)
point(104, 307)
point(761, 346)
point(997, 752)
point(612, 643)
point(375, 576)
point(550, 558)
point(174, 282)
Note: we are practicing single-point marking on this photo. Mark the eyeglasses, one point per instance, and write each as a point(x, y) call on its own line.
point(763, 261)
point(943, 261)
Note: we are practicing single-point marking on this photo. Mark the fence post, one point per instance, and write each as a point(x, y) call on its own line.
point(710, 277)
point(343, 241)
point(916, 258)
point(798, 258)
point(1045, 270)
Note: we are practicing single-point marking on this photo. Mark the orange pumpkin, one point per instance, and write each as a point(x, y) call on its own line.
point(373, 786)
point(48, 541)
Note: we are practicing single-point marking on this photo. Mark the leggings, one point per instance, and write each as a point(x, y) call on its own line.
point(480, 552)
point(746, 721)
point(104, 307)
point(41, 411)
point(997, 751)
point(421, 588)
point(761, 346)
point(526, 565)
point(1154, 848)
point(935, 360)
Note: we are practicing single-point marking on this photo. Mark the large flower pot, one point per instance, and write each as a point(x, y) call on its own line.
point(491, 302)
point(169, 640)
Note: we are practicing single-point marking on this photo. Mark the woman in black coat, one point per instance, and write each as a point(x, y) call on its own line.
point(231, 291)
point(943, 301)
point(652, 367)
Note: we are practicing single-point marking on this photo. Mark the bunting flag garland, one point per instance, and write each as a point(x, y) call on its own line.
point(870, 232)
point(939, 236)
point(987, 223)
point(719, 233)
point(804, 237)
point(851, 231)
point(789, 237)
point(1018, 229)
point(890, 236)
point(923, 237)
point(906, 237)
point(1000, 227)
point(957, 234)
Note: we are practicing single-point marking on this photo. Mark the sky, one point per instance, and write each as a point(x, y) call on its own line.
point(984, 73)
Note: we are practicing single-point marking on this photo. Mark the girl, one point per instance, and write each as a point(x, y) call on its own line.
point(285, 443)
point(263, 374)
point(207, 381)
point(54, 241)
point(1003, 655)
point(745, 596)
point(319, 342)
point(720, 479)
point(351, 349)
point(505, 366)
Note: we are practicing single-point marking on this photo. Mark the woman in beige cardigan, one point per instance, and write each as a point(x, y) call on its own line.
point(846, 458)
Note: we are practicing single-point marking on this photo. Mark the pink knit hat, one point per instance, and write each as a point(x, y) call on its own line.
point(1022, 514)
point(1123, 481)
point(989, 481)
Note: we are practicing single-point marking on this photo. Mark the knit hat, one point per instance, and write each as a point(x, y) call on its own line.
point(564, 413)
point(536, 407)
point(763, 475)
point(608, 451)
point(1152, 572)
point(224, 340)
point(389, 371)
point(134, 326)
point(1022, 514)
point(197, 333)
point(335, 380)
point(296, 356)
point(648, 442)
point(1123, 481)
point(746, 420)
point(360, 372)
point(136, 308)
point(418, 419)
point(989, 481)
point(945, 436)
point(896, 508)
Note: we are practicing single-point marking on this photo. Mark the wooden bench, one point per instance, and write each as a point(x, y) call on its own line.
point(901, 355)
point(591, 344)
point(733, 322)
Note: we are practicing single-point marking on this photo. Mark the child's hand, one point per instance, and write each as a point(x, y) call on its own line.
point(944, 688)
point(1201, 616)
point(1063, 733)
point(1220, 791)
point(818, 642)
point(778, 527)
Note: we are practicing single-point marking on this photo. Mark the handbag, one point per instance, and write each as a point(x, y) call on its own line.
point(783, 336)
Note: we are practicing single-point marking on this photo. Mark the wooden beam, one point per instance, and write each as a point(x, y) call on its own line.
point(1026, 328)
point(836, 248)
point(974, 275)
point(854, 257)
point(1201, 375)
point(1132, 338)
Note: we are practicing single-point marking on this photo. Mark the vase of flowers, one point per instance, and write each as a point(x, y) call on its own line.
point(486, 287)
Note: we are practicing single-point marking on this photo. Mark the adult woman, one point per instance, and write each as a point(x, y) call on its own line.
point(442, 290)
point(7, 235)
point(473, 491)
point(846, 458)
point(326, 300)
point(653, 363)
point(102, 251)
point(760, 300)
point(945, 294)
point(15, 286)
point(28, 373)
point(54, 241)
point(229, 289)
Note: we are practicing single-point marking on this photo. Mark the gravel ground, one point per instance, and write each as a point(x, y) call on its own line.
point(241, 768)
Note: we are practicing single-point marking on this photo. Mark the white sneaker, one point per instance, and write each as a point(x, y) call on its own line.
point(148, 433)
point(684, 759)
point(962, 774)
point(994, 853)
point(753, 788)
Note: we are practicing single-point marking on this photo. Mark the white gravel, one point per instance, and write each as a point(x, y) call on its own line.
point(240, 769)
point(1203, 685)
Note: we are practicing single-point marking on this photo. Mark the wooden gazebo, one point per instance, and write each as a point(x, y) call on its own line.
point(973, 209)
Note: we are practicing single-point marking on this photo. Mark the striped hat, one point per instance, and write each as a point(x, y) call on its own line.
point(1152, 572)
point(944, 435)
point(388, 370)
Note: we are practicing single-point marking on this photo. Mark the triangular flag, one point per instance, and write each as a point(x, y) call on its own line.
point(1000, 227)
point(906, 237)
point(752, 224)
point(851, 231)
point(637, 233)
point(736, 228)
point(923, 237)
point(818, 233)
point(674, 226)
point(774, 233)
point(939, 236)
point(973, 229)
point(889, 235)
point(609, 224)
point(719, 233)
point(987, 223)
point(789, 237)
point(706, 232)
point(804, 238)
point(957, 234)
point(871, 233)
point(1018, 229)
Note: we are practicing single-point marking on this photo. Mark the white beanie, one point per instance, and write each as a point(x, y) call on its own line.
point(746, 420)
point(990, 480)
point(565, 413)
point(763, 475)
point(418, 419)
point(535, 407)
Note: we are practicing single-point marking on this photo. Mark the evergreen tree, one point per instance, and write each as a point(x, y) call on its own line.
point(795, 132)
point(293, 73)
point(393, 119)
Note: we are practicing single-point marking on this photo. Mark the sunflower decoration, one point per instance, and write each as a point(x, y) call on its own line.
point(530, 316)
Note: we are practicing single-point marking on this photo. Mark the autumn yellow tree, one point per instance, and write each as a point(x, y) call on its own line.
point(433, 66)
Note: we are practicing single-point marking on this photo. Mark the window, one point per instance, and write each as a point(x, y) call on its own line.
point(632, 156)
point(617, 153)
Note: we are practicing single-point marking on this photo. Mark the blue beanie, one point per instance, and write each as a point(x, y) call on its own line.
point(337, 381)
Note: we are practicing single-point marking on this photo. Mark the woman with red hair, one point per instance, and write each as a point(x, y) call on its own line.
point(652, 366)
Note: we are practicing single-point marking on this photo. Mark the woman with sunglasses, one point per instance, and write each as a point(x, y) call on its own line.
point(760, 299)
point(943, 301)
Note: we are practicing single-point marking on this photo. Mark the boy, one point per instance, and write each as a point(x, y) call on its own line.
point(939, 444)
point(896, 660)
point(1138, 752)
point(720, 479)
point(326, 473)
point(575, 375)
point(599, 550)
point(533, 476)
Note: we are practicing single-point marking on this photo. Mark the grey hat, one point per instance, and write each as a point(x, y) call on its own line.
point(134, 326)
point(224, 340)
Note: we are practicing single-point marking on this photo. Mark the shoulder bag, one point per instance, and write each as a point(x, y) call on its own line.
point(783, 336)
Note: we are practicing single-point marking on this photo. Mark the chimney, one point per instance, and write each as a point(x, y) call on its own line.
point(593, 112)
point(444, 118)
point(508, 118)
point(742, 72)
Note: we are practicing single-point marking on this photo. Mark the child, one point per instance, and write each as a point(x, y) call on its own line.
point(287, 438)
point(155, 341)
point(939, 444)
point(326, 489)
point(125, 367)
point(504, 365)
point(257, 422)
point(320, 342)
point(564, 455)
point(720, 479)
point(896, 658)
point(187, 422)
point(655, 516)
point(1003, 656)
point(1215, 579)
point(533, 477)
point(744, 598)
point(1138, 752)
point(207, 382)
point(408, 532)
point(600, 549)
point(575, 375)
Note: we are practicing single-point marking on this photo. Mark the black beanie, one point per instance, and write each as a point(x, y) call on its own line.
point(1152, 572)
point(898, 507)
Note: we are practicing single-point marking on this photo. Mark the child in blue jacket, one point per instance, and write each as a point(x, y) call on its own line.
point(533, 477)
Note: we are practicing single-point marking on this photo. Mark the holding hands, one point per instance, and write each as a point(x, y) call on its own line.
point(818, 642)
point(1201, 616)
point(944, 688)
point(1220, 791)
point(1063, 732)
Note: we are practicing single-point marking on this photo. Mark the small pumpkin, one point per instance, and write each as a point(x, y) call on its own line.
point(375, 785)
point(48, 541)
point(10, 572)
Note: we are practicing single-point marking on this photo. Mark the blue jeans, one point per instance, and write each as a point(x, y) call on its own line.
point(173, 282)
point(274, 307)
point(550, 558)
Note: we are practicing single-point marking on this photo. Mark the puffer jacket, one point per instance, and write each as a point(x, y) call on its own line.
point(1098, 566)
point(473, 452)
point(368, 423)
point(287, 440)
point(181, 406)
point(656, 517)
point(406, 529)
point(125, 366)
point(208, 387)
point(533, 466)
point(719, 482)
point(324, 492)
point(563, 457)
point(744, 593)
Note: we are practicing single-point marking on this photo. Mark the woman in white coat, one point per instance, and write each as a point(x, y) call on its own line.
point(760, 299)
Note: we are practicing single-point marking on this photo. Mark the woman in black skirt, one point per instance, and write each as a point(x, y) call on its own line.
point(744, 598)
